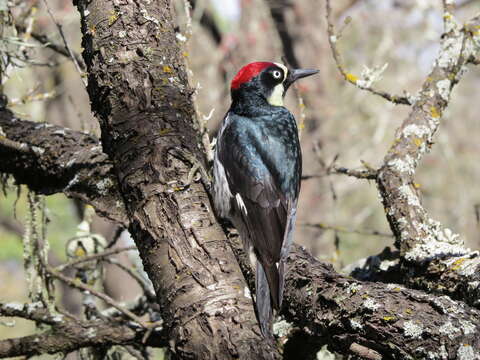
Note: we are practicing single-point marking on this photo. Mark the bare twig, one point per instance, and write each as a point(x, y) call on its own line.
point(65, 42)
point(50, 44)
point(345, 230)
point(146, 287)
point(333, 37)
point(81, 286)
point(98, 256)
point(369, 174)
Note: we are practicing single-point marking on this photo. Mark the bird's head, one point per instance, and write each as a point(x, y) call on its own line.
point(266, 79)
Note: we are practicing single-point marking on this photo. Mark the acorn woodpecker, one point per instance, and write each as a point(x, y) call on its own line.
point(257, 170)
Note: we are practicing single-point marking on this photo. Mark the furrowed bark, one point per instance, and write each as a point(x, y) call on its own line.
point(392, 321)
point(65, 161)
point(70, 336)
point(139, 90)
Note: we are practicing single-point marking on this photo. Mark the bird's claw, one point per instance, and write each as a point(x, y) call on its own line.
point(196, 169)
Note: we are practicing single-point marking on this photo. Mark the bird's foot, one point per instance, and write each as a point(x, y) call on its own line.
point(197, 171)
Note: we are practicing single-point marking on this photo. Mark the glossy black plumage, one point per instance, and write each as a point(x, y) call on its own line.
point(257, 172)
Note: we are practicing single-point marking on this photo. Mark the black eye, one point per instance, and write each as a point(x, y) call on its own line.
point(276, 74)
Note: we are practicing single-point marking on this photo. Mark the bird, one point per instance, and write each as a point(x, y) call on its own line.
point(257, 170)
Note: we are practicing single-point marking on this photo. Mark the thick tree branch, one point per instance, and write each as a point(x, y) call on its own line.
point(393, 321)
point(64, 161)
point(451, 268)
point(68, 335)
point(431, 257)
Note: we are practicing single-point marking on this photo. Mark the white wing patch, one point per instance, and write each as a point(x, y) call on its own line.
point(241, 204)
point(222, 193)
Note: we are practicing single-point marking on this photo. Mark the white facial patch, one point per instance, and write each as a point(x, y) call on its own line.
point(276, 98)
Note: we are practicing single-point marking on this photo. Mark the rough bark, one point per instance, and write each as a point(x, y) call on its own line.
point(139, 91)
point(67, 161)
point(67, 336)
point(394, 322)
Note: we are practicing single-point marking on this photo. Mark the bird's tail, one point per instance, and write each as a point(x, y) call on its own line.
point(268, 295)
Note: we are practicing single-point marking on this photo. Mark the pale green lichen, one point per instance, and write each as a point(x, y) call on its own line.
point(444, 87)
point(467, 352)
point(406, 192)
point(282, 328)
point(467, 327)
point(412, 329)
point(435, 240)
point(355, 324)
point(353, 288)
point(448, 329)
point(371, 304)
point(405, 165)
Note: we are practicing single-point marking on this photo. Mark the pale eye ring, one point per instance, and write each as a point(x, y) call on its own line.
point(276, 74)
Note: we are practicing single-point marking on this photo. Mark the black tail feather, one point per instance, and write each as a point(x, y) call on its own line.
point(264, 306)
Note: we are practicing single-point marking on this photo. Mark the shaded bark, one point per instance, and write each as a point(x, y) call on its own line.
point(67, 161)
point(71, 336)
point(139, 91)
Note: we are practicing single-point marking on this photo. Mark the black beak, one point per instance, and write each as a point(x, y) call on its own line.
point(295, 74)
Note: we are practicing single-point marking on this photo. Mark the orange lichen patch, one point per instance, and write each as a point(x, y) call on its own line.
point(417, 141)
point(167, 69)
point(92, 30)
point(457, 264)
point(164, 131)
point(112, 18)
point(434, 112)
point(352, 78)
point(389, 318)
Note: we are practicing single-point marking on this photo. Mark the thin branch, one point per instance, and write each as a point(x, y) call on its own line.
point(65, 43)
point(146, 287)
point(98, 256)
point(30, 311)
point(345, 230)
point(50, 44)
point(73, 335)
point(369, 173)
point(75, 283)
point(333, 38)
